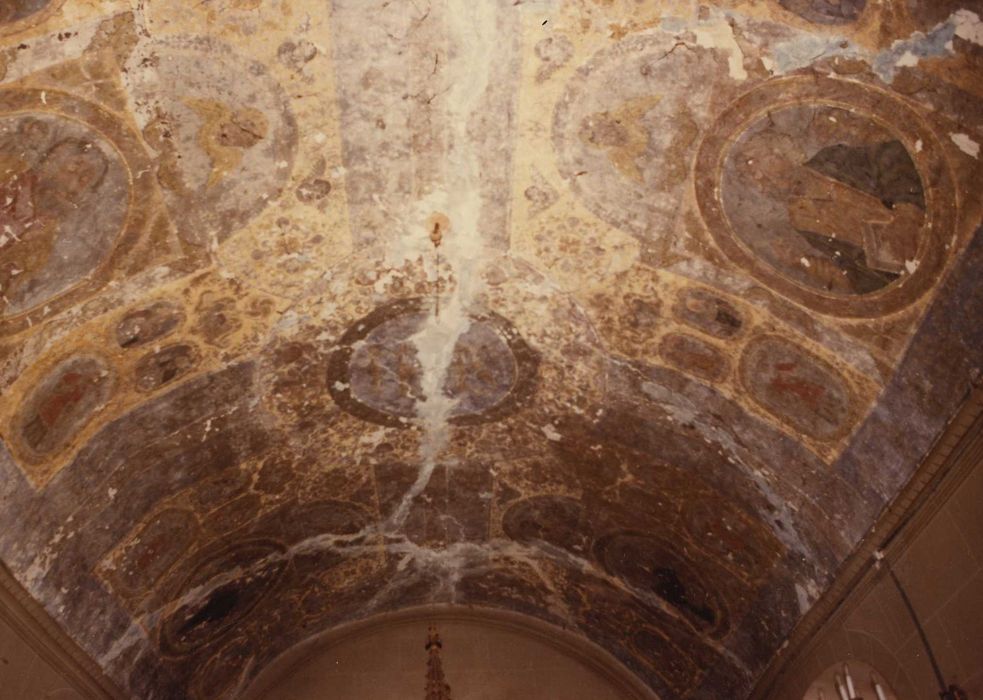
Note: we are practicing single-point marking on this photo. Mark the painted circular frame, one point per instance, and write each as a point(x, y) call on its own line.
point(31, 20)
point(888, 112)
point(215, 562)
point(339, 366)
point(18, 101)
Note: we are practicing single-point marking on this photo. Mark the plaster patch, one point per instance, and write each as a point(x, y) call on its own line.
point(804, 600)
point(806, 49)
point(551, 433)
point(908, 52)
point(968, 26)
point(966, 144)
point(720, 35)
point(908, 59)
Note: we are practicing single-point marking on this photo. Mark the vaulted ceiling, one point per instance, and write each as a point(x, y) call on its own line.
point(630, 316)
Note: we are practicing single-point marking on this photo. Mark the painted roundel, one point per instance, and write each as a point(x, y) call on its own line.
point(375, 373)
point(226, 584)
point(63, 403)
point(558, 520)
point(626, 128)
point(654, 565)
point(801, 390)
point(65, 191)
point(14, 12)
point(831, 193)
point(221, 127)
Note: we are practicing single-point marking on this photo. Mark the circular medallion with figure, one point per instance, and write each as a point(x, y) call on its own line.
point(833, 194)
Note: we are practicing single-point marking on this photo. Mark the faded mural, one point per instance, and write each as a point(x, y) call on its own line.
point(628, 316)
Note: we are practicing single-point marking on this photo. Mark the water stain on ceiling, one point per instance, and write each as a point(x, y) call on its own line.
point(631, 317)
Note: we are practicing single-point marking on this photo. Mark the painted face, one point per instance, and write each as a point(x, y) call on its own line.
point(72, 168)
point(33, 132)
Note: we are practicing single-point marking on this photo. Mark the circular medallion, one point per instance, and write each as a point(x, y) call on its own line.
point(739, 541)
point(18, 15)
point(627, 125)
point(66, 190)
point(162, 366)
point(375, 374)
point(558, 520)
point(221, 127)
point(831, 193)
point(152, 551)
point(63, 403)
point(653, 565)
point(148, 324)
point(803, 391)
point(221, 590)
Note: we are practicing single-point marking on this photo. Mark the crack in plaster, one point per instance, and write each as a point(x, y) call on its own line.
point(450, 564)
point(467, 73)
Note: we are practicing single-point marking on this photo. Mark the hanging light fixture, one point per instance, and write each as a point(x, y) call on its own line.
point(437, 688)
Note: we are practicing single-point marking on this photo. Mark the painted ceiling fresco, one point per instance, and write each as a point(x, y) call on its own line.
point(630, 316)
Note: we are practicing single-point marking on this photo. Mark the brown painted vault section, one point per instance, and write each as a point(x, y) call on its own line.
point(630, 317)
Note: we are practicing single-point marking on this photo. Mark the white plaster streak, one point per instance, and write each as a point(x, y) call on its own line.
point(907, 60)
point(472, 26)
point(449, 563)
point(399, 516)
point(966, 144)
point(803, 49)
point(968, 26)
point(720, 35)
point(135, 634)
point(803, 597)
